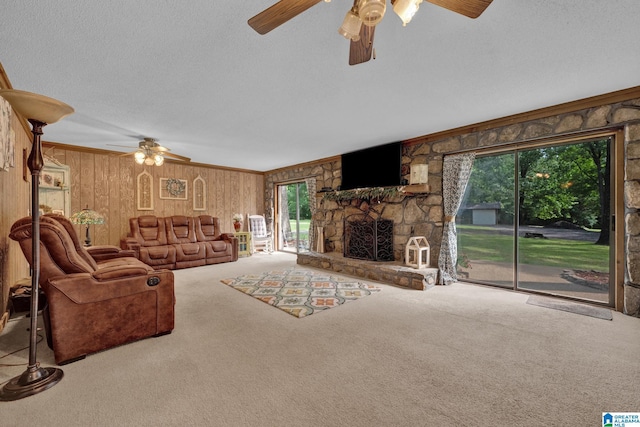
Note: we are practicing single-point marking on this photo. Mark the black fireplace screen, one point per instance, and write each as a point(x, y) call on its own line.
point(368, 238)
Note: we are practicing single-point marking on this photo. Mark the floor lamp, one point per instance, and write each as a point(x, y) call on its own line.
point(39, 111)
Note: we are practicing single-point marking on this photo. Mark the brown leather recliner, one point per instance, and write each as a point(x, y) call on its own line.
point(221, 247)
point(181, 234)
point(94, 253)
point(149, 239)
point(93, 306)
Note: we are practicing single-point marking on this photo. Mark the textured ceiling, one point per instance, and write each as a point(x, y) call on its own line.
point(196, 77)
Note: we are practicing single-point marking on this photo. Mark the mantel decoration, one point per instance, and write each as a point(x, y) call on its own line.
point(87, 217)
point(39, 111)
point(363, 193)
point(237, 221)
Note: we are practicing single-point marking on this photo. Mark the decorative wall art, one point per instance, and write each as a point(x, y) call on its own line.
point(52, 176)
point(145, 191)
point(199, 194)
point(6, 148)
point(419, 174)
point(173, 188)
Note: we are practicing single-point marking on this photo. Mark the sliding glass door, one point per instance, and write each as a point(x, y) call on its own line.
point(485, 222)
point(294, 217)
point(539, 219)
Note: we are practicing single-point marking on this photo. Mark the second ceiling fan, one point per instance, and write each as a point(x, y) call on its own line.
point(360, 22)
point(150, 152)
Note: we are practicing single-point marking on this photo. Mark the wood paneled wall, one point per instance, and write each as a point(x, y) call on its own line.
point(15, 203)
point(106, 182)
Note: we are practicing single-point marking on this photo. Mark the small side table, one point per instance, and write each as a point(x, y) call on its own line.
point(244, 243)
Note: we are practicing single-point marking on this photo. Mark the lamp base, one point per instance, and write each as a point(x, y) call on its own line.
point(32, 381)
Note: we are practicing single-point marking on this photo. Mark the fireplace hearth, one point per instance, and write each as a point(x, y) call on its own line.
point(368, 238)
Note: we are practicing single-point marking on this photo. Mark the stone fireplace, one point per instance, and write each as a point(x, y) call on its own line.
point(368, 238)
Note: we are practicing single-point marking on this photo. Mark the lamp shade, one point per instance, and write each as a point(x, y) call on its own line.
point(139, 156)
point(36, 107)
point(87, 217)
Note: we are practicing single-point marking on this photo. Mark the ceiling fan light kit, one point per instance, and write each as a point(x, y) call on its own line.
point(148, 158)
point(371, 12)
point(151, 153)
point(350, 28)
point(367, 12)
point(406, 9)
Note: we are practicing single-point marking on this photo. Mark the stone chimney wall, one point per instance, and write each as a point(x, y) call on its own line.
point(422, 214)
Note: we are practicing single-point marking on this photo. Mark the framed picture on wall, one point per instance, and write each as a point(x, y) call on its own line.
point(173, 188)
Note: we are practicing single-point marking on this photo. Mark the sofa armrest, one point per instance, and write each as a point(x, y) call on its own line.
point(83, 288)
point(130, 244)
point(227, 236)
point(120, 272)
point(105, 252)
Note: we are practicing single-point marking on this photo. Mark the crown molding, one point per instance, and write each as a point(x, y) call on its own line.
point(564, 108)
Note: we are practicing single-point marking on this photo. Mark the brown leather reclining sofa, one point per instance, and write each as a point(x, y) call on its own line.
point(97, 298)
point(179, 241)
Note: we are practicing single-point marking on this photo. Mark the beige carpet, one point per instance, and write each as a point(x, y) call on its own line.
point(459, 355)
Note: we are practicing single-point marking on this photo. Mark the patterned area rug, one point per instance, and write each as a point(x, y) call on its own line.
point(301, 292)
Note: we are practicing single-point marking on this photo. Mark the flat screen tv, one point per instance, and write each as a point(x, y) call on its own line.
point(379, 166)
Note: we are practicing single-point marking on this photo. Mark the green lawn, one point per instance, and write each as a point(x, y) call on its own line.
point(304, 225)
point(561, 253)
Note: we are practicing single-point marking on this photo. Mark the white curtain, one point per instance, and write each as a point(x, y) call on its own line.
point(311, 189)
point(283, 211)
point(455, 176)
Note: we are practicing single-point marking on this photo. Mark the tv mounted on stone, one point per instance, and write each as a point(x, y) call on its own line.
point(379, 166)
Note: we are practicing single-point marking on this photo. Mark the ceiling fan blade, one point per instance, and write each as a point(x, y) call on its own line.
point(279, 13)
point(362, 50)
point(470, 8)
point(123, 146)
point(127, 154)
point(176, 156)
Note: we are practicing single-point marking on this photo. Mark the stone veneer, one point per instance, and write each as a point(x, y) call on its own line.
point(422, 214)
point(394, 273)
